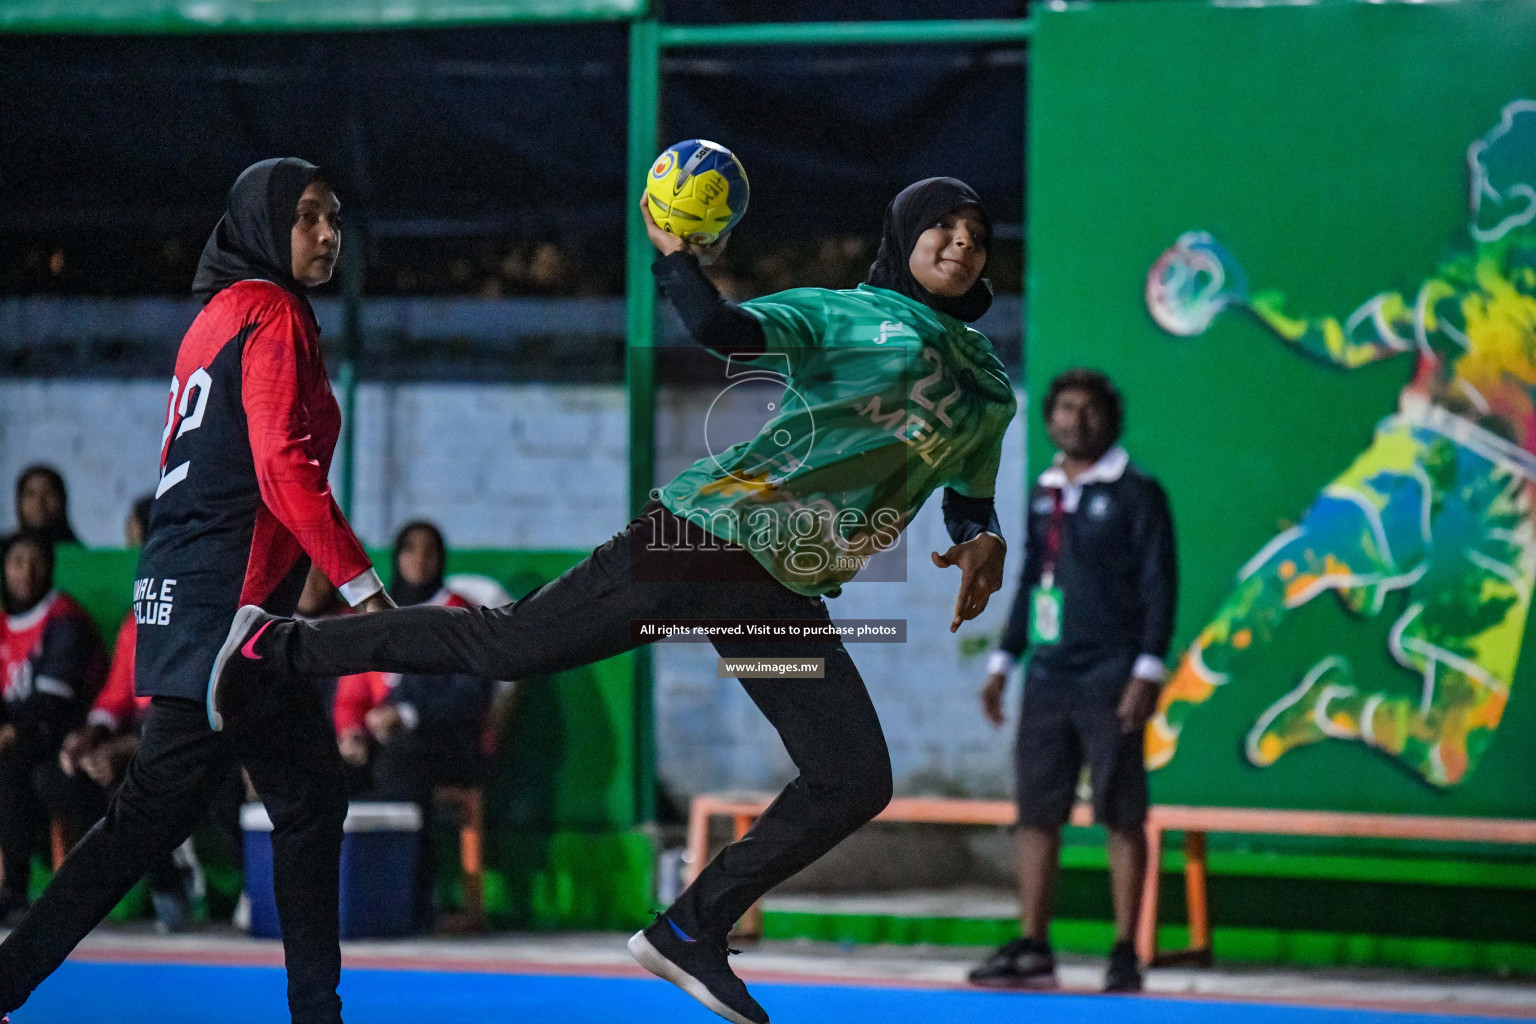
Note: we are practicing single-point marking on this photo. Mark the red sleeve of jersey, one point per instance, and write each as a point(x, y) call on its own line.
point(354, 699)
point(289, 470)
point(115, 706)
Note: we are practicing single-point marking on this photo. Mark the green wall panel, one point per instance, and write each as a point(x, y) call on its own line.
point(1325, 146)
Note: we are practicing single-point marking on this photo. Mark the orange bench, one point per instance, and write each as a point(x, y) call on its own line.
point(744, 808)
point(1194, 822)
point(468, 803)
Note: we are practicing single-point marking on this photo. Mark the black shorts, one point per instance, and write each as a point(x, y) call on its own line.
point(1068, 720)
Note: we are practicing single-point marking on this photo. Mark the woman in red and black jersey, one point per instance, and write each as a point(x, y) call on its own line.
point(241, 508)
point(51, 664)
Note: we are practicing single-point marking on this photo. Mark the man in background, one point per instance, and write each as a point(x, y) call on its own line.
point(1095, 605)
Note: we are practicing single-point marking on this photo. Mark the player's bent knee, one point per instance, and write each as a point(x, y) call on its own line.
point(857, 797)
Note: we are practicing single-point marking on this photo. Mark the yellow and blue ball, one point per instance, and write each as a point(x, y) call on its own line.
point(697, 190)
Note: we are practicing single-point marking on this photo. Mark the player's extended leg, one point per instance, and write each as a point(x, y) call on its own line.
point(832, 734)
point(1365, 536)
point(180, 764)
point(1460, 635)
point(583, 616)
point(290, 753)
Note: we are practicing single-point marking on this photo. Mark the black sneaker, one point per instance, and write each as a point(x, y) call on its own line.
point(698, 967)
point(1018, 963)
point(237, 668)
point(1124, 974)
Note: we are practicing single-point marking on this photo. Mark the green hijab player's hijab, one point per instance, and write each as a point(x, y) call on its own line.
point(915, 209)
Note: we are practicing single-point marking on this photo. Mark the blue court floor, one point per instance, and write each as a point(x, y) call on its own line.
point(116, 993)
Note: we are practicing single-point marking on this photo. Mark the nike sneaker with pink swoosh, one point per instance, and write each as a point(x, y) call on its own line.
point(238, 667)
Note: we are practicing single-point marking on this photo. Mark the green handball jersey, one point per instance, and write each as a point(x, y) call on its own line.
point(885, 400)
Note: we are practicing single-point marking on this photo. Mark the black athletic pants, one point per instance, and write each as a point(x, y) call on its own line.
point(287, 746)
point(658, 568)
point(79, 803)
point(22, 814)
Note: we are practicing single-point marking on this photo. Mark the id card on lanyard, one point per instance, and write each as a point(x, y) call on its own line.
point(1045, 601)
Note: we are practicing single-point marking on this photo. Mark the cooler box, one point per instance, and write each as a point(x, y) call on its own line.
point(378, 870)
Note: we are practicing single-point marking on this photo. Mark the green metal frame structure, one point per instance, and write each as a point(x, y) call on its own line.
point(649, 40)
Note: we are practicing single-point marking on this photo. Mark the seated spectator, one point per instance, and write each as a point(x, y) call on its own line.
point(136, 527)
point(42, 506)
point(403, 735)
point(51, 666)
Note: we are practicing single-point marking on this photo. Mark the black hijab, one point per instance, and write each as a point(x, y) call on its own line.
point(403, 590)
point(58, 531)
point(44, 545)
point(254, 238)
point(915, 209)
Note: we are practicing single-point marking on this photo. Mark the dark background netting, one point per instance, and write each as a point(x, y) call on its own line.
point(491, 160)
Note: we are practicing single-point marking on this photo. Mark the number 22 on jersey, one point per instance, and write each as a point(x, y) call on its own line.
point(198, 383)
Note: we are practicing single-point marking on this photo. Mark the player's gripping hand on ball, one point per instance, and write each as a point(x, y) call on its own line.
point(667, 243)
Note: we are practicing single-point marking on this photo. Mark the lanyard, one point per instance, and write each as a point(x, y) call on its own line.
point(1053, 537)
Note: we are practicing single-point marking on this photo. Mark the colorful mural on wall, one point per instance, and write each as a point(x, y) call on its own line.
point(1438, 508)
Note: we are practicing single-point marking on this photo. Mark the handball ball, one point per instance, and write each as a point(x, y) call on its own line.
point(697, 190)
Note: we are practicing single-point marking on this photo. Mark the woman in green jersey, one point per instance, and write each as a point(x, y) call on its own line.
point(889, 395)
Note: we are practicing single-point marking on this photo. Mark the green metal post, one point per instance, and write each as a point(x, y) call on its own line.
point(353, 265)
point(1025, 412)
point(354, 272)
point(849, 33)
point(640, 360)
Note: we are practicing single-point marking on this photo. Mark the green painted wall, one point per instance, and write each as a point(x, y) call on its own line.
point(1325, 146)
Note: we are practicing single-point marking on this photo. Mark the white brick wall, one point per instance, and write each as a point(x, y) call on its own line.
point(542, 466)
point(103, 436)
point(527, 466)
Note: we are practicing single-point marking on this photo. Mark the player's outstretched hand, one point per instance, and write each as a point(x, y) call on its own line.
point(981, 573)
point(667, 243)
